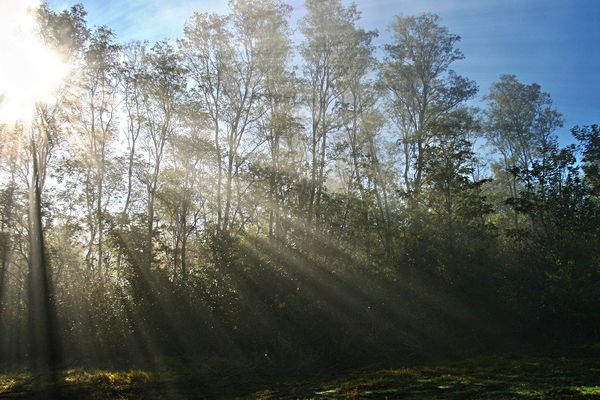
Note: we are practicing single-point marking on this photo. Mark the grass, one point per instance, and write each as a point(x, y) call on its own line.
point(479, 378)
point(571, 377)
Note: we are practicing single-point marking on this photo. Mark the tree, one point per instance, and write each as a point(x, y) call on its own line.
point(331, 39)
point(278, 126)
point(133, 79)
point(519, 124)
point(162, 96)
point(236, 62)
point(453, 195)
point(421, 86)
point(208, 55)
point(589, 139)
point(96, 124)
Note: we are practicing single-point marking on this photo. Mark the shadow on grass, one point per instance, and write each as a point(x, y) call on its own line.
point(477, 378)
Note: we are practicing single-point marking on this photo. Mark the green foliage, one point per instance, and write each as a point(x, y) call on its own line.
point(214, 198)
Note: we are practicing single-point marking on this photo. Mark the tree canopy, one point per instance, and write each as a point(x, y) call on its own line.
point(233, 194)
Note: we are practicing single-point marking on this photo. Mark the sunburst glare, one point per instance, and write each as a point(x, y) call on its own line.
point(30, 71)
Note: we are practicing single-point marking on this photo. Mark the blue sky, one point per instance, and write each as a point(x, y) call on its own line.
point(555, 43)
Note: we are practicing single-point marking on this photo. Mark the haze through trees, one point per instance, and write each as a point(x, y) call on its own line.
point(239, 193)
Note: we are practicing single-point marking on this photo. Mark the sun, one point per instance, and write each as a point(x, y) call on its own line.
point(30, 71)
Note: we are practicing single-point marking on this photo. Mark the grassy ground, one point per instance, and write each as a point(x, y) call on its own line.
point(558, 377)
point(483, 378)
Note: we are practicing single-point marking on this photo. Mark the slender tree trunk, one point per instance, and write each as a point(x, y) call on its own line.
point(99, 218)
point(313, 172)
point(219, 178)
point(5, 248)
point(321, 176)
point(42, 314)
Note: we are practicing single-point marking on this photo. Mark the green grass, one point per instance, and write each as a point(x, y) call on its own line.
point(480, 378)
point(576, 377)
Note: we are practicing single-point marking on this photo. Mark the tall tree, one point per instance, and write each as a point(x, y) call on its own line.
point(519, 124)
point(278, 126)
point(133, 79)
point(330, 40)
point(421, 85)
point(163, 90)
point(95, 122)
point(209, 56)
point(229, 58)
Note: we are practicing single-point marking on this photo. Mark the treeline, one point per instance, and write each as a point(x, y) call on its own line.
point(235, 195)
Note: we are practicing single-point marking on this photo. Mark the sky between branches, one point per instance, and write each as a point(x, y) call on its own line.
point(555, 43)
